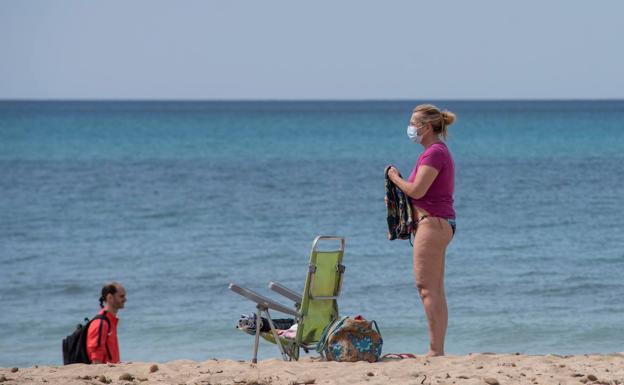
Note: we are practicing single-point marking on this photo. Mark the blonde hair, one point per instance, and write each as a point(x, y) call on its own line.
point(439, 120)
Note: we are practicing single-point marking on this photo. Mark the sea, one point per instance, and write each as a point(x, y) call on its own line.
point(175, 200)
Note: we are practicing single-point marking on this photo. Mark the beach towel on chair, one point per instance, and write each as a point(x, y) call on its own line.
point(248, 323)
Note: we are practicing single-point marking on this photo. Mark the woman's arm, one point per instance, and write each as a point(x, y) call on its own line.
point(417, 189)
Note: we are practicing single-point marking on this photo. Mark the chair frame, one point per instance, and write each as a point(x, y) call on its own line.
point(263, 304)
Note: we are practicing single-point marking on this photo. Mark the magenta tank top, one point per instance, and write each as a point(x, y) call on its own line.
point(438, 200)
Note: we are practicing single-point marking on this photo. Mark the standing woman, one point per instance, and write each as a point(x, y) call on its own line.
point(430, 187)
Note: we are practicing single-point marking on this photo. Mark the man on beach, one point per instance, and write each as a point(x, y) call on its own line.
point(102, 344)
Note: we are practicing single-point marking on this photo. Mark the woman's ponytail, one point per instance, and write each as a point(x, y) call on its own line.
point(447, 118)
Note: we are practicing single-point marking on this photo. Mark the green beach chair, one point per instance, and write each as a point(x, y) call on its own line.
point(312, 311)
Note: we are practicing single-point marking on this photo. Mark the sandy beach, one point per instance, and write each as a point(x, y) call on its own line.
point(465, 370)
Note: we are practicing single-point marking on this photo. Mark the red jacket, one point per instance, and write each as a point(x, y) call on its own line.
point(102, 344)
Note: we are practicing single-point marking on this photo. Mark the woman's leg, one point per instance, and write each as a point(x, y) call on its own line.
point(432, 238)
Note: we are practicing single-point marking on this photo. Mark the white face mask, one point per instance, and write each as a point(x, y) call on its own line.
point(412, 134)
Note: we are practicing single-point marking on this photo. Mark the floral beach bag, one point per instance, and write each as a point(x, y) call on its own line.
point(351, 339)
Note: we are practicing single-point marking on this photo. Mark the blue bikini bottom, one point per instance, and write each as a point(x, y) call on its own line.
point(449, 220)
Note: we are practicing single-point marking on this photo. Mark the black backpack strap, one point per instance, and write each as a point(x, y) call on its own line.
point(104, 318)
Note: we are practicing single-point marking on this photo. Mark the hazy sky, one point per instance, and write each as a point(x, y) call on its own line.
point(288, 49)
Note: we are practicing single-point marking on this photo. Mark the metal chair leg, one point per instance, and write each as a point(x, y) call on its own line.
point(258, 327)
point(277, 339)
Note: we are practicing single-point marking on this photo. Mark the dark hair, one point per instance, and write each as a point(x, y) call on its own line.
point(109, 288)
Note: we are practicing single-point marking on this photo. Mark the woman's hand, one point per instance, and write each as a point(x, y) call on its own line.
point(393, 174)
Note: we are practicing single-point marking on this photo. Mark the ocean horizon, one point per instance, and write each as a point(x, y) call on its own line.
point(176, 199)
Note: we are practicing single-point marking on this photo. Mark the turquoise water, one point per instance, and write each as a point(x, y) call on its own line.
point(177, 199)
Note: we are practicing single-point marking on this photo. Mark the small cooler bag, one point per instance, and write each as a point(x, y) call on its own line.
point(351, 339)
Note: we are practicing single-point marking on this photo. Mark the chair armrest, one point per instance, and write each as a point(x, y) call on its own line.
point(262, 301)
point(286, 292)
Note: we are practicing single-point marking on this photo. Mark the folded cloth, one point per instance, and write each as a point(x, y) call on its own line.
point(248, 323)
point(289, 333)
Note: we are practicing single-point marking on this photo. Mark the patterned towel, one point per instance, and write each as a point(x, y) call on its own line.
point(400, 220)
point(248, 323)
